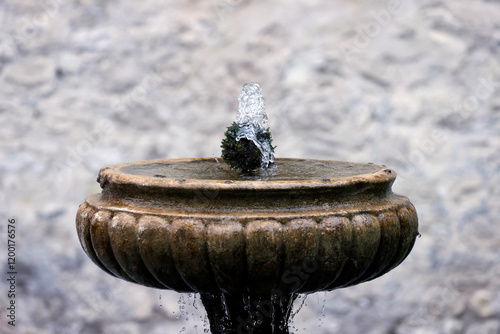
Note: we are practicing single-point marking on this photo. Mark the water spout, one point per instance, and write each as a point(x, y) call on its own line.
point(252, 119)
point(247, 143)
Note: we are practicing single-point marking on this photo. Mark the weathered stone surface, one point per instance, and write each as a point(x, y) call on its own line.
point(123, 328)
point(480, 302)
point(29, 74)
point(453, 326)
point(487, 327)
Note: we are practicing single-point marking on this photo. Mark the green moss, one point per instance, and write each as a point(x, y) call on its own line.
point(243, 154)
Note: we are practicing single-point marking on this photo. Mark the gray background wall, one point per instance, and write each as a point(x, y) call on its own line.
point(410, 84)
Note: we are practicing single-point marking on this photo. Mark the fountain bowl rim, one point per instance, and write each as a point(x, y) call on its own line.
point(114, 174)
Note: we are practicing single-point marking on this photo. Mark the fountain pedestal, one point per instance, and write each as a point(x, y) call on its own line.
point(247, 244)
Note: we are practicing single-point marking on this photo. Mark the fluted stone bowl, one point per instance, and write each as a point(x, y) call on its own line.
point(194, 225)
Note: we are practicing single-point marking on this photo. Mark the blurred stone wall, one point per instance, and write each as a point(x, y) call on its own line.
point(410, 84)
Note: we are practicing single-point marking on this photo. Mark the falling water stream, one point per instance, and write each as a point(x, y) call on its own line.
point(195, 322)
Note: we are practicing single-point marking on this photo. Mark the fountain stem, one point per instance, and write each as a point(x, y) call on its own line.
point(248, 314)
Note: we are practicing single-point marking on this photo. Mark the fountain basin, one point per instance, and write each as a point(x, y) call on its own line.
point(194, 225)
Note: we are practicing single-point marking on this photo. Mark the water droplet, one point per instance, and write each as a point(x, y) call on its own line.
point(300, 306)
point(323, 314)
point(194, 302)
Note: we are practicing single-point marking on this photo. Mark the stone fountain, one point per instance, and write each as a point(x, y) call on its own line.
point(247, 243)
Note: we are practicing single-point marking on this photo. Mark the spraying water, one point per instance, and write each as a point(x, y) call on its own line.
point(252, 119)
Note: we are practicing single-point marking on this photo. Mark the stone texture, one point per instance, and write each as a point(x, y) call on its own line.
point(30, 74)
point(419, 94)
point(453, 326)
point(481, 303)
point(487, 327)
